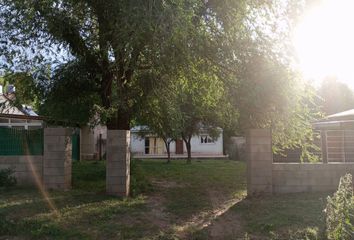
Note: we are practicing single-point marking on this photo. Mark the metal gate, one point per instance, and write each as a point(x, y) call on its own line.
point(17, 142)
point(75, 140)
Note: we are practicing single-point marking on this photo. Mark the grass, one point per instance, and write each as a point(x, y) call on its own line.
point(203, 200)
point(187, 188)
point(298, 216)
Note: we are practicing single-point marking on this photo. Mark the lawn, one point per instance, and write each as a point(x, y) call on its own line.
point(202, 200)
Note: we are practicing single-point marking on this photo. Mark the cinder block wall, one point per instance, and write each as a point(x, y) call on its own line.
point(308, 177)
point(26, 168)
point(264, 176)
point(118, 163)
point(57, 158)
point(259, 161)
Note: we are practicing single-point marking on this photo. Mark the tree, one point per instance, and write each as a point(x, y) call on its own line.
point(120, 42)
point(161, 117)
point(198, 97)
point(66, 101)
point(274, 96)
point(336, 96)
point(26, 91)
point(115, 41)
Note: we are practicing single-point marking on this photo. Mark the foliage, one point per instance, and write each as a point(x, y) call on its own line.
point(68, 101)
point(6, 178)
point(335, 96)
point(273, 96)
point(122, 45)
point(119, 43)
point(161, 118)
point(340, 211)
point(199, 98)
point(123, 50)
point(26, 89)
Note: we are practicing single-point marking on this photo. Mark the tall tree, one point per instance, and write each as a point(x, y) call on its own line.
point(336, 96)
point(161, 117)
point(274, 96)
point(120, 42)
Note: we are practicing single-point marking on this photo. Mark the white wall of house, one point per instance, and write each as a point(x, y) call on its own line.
point(137, 144)
point(213, 148)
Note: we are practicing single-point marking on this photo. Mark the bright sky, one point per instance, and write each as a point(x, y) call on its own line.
point(324, 41)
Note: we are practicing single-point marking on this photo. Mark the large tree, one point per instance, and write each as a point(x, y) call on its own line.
point(120, 43)
point(117, 42)
point(120, 47)
point(335, 96)
point(161, 117)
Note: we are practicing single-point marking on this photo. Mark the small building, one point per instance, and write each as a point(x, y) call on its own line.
point(151, 146)
point(17, 117)
point(337, 136)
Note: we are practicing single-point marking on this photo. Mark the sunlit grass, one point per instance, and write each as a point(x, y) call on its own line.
point(186, 201)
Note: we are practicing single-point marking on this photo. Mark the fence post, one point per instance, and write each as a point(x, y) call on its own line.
point(57, 158)
point(324, 146)
point(118, 162)
point(259, 161)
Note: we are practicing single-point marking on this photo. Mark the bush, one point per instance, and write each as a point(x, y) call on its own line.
point(138, 182)
point(340, 211)
point(6, 178)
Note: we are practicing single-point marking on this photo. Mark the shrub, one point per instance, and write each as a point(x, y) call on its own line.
point(340, 211)
point(6, 178)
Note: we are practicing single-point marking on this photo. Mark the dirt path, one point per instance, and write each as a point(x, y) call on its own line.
point(214, 220)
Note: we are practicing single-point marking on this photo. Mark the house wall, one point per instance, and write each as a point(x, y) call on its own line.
point(216, 148)
point(264, 176)
point(137, 144)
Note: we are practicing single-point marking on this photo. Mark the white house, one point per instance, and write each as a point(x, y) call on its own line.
point(150, 146)
point(17, 117)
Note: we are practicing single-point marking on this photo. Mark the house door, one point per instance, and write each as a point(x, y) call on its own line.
point(179, 146)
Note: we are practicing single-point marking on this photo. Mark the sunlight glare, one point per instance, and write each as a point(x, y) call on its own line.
point(324, 41)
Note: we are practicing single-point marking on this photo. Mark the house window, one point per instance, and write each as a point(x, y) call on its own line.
point(205, 139)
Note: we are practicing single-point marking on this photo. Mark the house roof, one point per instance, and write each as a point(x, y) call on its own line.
point(26, 117)
point(336, 121)
point(346, 115)
point(7, 108)
point(141, 128)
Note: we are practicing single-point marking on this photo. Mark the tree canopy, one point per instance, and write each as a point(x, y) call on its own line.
point(108, 57)
point(335, 96)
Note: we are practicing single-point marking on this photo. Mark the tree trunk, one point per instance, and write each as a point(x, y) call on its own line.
point(189, 148)
point(168, 153)
point(121, 121)
point(167, 145)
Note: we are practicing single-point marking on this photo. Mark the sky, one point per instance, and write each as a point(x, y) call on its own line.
point(324, 41)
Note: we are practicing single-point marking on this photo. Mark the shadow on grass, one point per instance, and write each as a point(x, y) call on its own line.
point(288, 216)
point(81, 215)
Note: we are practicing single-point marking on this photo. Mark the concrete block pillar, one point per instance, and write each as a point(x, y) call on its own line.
point(259, 161)
point(57, 159)
point(118, 163)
